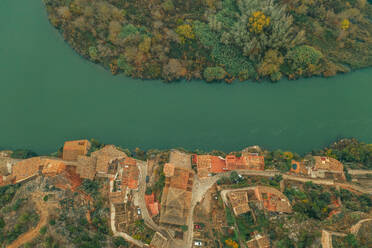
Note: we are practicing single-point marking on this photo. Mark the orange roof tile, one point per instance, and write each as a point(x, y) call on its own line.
point(105, 155)
point(53, 167)
point(26, 168)
point(149, 199)
point(218, 165)
point(154, 208)
point(130, 176)
point(212, 164)
point(180, 179)
point(86, 167)
point(255, 162)
point(72, 149)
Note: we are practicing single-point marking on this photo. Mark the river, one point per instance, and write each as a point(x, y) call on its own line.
point(49, 94)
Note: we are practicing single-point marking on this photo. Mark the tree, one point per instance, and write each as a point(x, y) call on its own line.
point(260, 25)
point(119, 241)
point(185, 32)
point(300, 57)
point(214, 73)
point(125, 66)
point(23, 154)
point(270, 66)
point(93, 53)
point(235, 177)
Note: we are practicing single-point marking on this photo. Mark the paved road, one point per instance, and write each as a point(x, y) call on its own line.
point(359, 172)
point(140, 196)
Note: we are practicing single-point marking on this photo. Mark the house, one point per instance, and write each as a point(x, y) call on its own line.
point(129, 172)
point(176, 197)
point(6, 165)
point(26, 169)
point(258, 241)
point(208, 164)
point(72, 149)
point(326, 167)
point(239, 202)
point(272, 199)
point(299, 168)
point(86, 167)
point(255, 161)
point(105, 156)
point(152, 205)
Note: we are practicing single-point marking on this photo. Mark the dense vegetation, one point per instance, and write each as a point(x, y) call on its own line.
point(218, 39)
point(353, 153)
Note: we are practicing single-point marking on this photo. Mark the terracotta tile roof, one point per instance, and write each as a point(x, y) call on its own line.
point(218, 165)
point(212, 164)
point(72, 149)
point(181, 178)
point(168, 170)
point(175, 206)
point(236, 163)
point(86, 167)
point(176, 197)
point(53, 167)
point(154, 208)
point(130, 176)
point(130, 161)
point(215, 164)
point(27, 168)
point(105, 155)
point(255, 162)
point(329, 164)
point(151, 205)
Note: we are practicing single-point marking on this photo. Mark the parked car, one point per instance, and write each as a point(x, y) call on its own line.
point(147, 179)
point(198, 243)
point(138, 211)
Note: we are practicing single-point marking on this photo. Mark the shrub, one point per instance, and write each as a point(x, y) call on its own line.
point(300, 57)
point(43, 230)
point(23, 154)
point(214, 73)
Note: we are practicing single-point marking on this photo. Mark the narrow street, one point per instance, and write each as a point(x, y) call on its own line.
point(140, 197)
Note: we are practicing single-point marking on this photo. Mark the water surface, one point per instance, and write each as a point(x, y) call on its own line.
point(49, 94)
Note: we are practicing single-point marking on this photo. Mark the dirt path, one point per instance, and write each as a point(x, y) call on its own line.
point(355, 229)
point(43, 211)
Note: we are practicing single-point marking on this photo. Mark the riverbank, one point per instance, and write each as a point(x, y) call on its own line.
point(223, 40)
point(50, 94)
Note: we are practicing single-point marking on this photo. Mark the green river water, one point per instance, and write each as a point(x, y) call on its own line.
point(49, 94)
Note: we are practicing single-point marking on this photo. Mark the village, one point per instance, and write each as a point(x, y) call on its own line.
point(180, 199)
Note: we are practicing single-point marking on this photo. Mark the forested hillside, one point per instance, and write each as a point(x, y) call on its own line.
point(218, 39)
